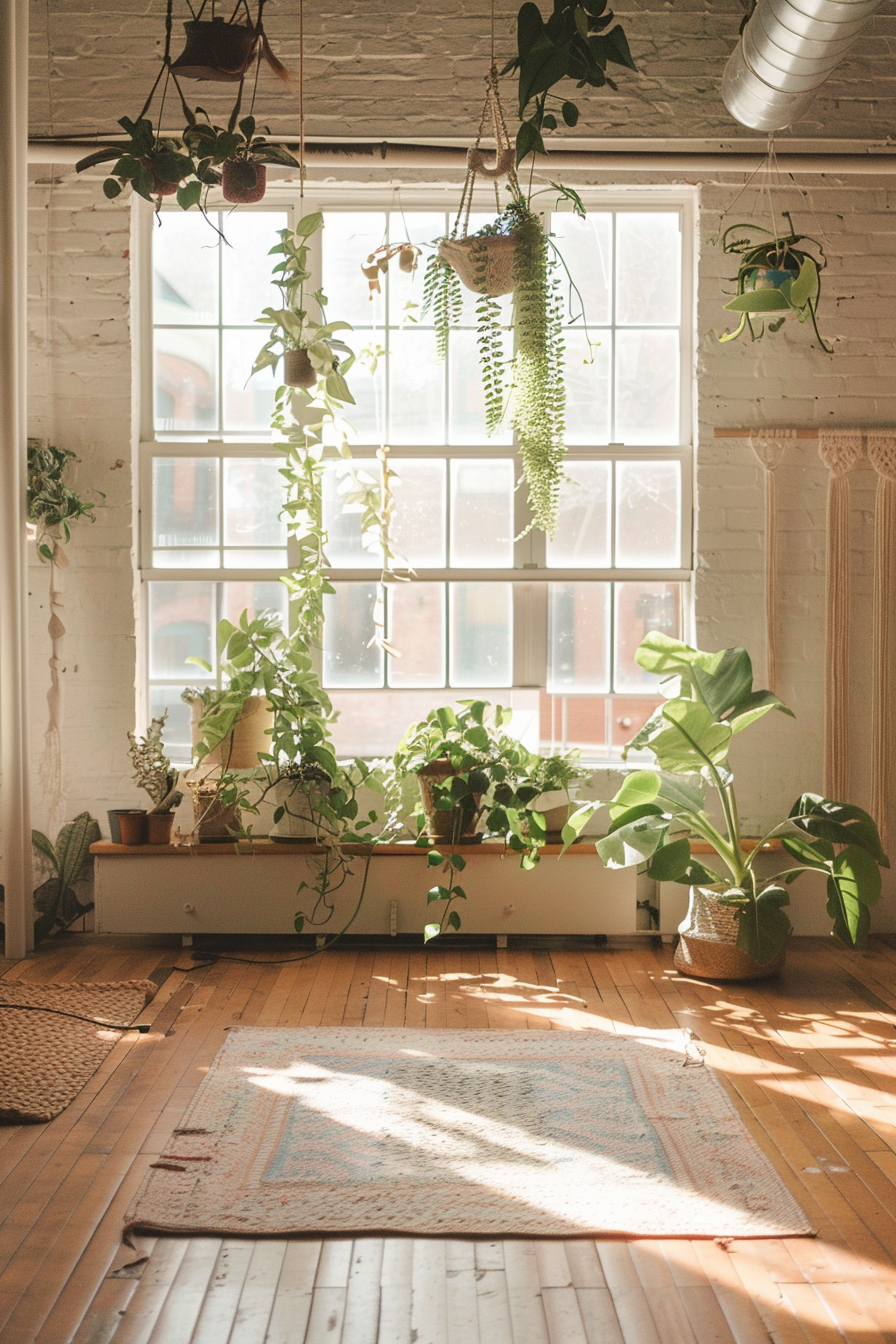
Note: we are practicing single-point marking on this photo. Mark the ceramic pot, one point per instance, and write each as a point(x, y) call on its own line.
point(298, 371)
point(300, 800)
point(447, 827)
point(240, 748)
point(243, 182)
point(131, 826)
point(707, 947)
point(158, 828)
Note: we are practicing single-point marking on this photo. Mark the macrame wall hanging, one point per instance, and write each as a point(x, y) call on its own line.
point(769, 445)
point(840, 450)
point(881, 448)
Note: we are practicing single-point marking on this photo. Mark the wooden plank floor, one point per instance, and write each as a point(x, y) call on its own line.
point(810, 1061)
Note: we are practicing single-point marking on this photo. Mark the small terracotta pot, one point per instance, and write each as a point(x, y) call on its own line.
point(132, 827)
point(215, 821)
point(298, 371)
point(243, 182)
point(158, 828)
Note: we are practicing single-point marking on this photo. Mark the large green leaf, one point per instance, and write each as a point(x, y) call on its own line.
point(841, 823)
point(73, 847)
point(854, 883)
point(641, 786)
point(632, 843)
point(817, 854)
point(664, 656)
point(762, 925)
point(851, 923)
point(44, 846)
point(729, 682)
point(670, 861)
point(755, 706)
point(806, 285)
point(759, 301)
point(690, 739)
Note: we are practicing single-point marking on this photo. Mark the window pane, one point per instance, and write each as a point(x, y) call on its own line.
point(583, 530)
point(367, 384)
point(418, 524)
point(253, 498)
point(482, 513)
point(481, 636)
point(185, 501)
point(648, 269)
point(185, 271)
point(343, 522)
point(641, 607)
point(647, 387)
point(406, 287)
point(248, 397)
point(246, 266)
point(186, 380)
point(466, 400)
point(587, 248)
point(648, 515)
point(574, 721)
point(181, 625)
point(348, 238)
point(587, 375)
point(348, 657)
point(579, 637)
point(254, 598)
point(177, 737)
point(628, 716)
point(416, 388)
point(417, 631)
point(196, 557)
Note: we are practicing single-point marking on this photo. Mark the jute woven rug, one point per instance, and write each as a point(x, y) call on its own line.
point(45, 1060)
point(461, 1134)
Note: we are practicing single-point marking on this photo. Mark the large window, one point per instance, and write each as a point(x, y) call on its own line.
point(549, 626)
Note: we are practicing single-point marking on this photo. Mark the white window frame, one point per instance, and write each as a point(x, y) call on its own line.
point(529, 574)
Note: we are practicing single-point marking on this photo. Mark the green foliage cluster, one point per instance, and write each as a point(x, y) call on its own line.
point(575, 42)
point(709, 701)
point(443, 297)
point(52, 504)
point(56, 899)
point(776, 278)
point(153, 770)
point(151, 164)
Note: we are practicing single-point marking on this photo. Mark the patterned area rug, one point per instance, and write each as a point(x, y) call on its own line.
point(45, 1060)
point(462, 1134)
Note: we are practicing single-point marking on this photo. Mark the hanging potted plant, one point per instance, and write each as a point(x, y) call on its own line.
point(222, 50)
point(311, 351)
point(235, 157)
point(153, 166)
point(778, 277)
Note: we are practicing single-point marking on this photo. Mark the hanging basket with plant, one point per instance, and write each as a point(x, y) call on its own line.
point(778, 277)
point(222, 50)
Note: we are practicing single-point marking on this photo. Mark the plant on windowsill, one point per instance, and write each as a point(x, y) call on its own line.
point(154, 772)
point(777, 277)
point(736, 927)
point(470, 774)
point(558, 778)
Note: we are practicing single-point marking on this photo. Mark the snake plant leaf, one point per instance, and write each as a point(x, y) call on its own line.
point(633, 842)
point(804, 289)
point(73, 847)
point(841, 823)
point(44, 846)
point(759, 301)
point(762, 925)
point(691, 738)
point(753, 707)
point(670, 861)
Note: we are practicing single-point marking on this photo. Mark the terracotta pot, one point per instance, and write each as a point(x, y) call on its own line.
point(298, 371)
point(132, 826)
point(158, 828)
point(216, 50)
point(707, 947)
point(160, 187)
point(215, 822)
point(442, 825)
point(243, 182)
point(300, 800)
point(240, 748)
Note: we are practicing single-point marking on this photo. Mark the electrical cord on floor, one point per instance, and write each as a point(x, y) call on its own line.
point(203, 959)
point(142, 1027)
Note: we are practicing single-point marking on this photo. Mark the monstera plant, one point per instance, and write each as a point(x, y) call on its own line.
point(656, 813)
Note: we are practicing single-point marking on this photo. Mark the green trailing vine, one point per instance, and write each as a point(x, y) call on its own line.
point(52, 504)
point(443, 297)
point(490, 344)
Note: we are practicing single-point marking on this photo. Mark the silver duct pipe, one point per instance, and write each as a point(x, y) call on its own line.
point(787, 51)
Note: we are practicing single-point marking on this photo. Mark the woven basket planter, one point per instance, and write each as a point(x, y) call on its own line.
point(298, 371)
point(708, 947)
point(442, 825)
point(485, 265)
point(247, 737)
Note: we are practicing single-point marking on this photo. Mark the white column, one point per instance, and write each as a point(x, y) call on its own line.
point(15, 811)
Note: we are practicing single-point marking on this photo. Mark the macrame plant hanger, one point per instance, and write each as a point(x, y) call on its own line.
point(769, 446)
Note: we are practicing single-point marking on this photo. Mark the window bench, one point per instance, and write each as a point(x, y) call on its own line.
point(252, 888)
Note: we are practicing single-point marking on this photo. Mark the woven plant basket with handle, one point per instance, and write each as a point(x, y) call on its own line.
point(483, 264)
point(708, 947)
